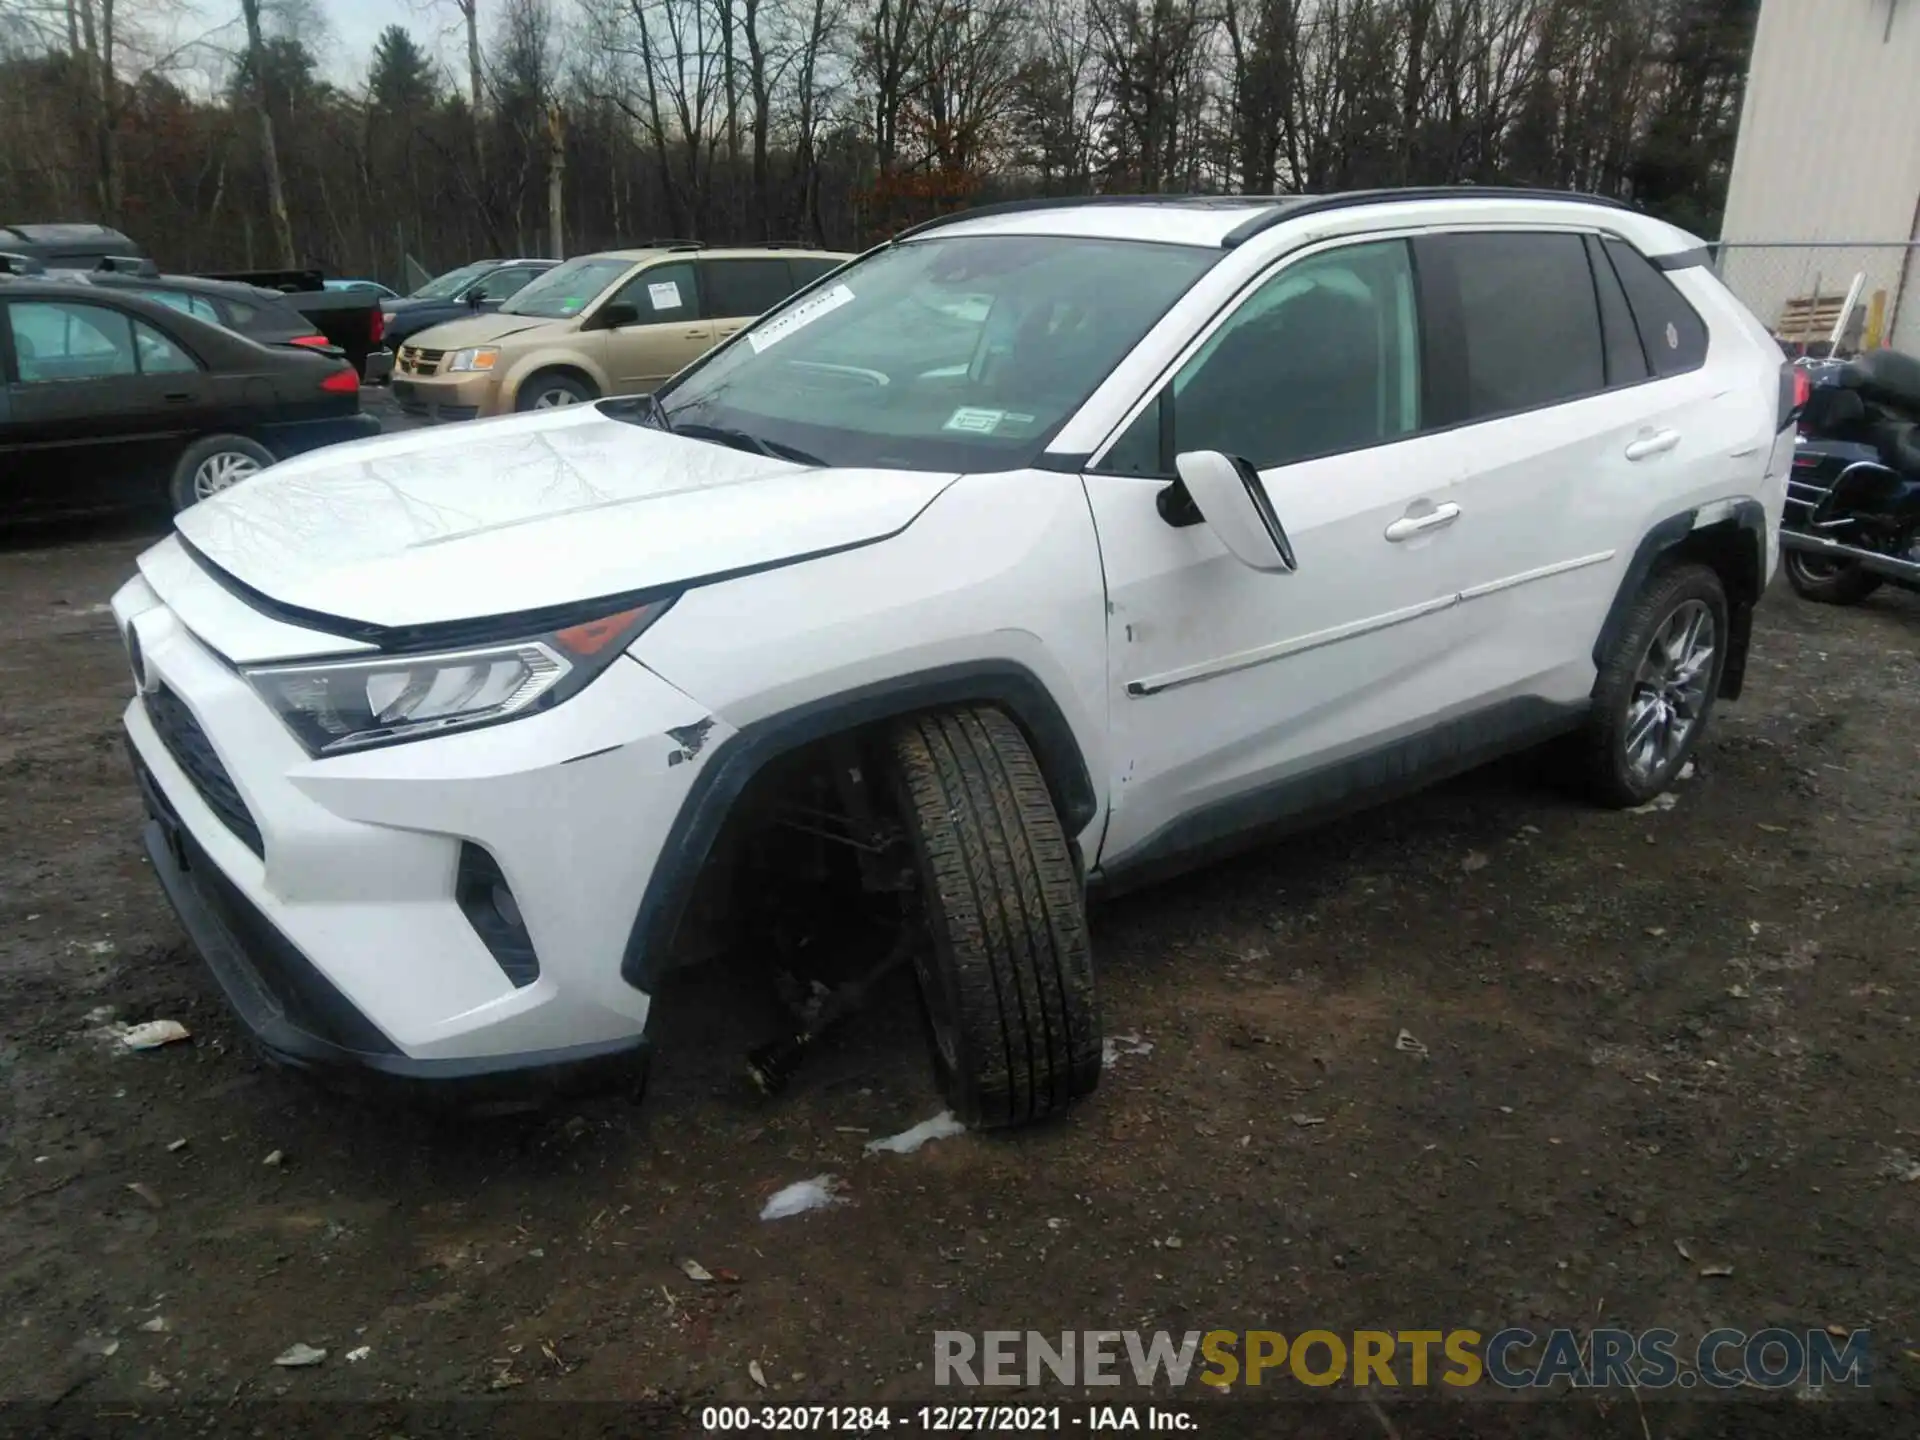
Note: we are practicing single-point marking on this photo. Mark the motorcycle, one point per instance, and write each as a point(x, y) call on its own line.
point(1853, 498)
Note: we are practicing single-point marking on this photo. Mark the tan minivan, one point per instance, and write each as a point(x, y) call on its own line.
point(616, 323)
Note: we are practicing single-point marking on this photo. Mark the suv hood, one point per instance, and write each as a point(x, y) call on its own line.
point(482, 330)
point(496, 517)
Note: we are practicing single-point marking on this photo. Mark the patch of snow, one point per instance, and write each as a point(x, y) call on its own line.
point(818, 1193)
point(940, 1127)
point(1114, 1046)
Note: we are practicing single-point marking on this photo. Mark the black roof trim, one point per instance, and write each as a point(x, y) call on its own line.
point(1284, 209)
point(1684, 259)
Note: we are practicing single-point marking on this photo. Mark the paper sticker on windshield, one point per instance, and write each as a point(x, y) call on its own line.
point(665, 295)
point(973, 420)
point(803, 314)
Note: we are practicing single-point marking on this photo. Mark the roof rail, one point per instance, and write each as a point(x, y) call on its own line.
point(13, 264)
point(1068, 202)
point(126, 265)
point(1291, 209)
point(669, 243)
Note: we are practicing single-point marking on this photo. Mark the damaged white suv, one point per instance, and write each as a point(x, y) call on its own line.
point(1041, 549)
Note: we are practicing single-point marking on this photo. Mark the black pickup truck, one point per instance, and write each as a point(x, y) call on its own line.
point(352, 321)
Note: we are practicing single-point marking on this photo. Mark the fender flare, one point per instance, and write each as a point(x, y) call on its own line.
point(737, 760)
point(1747, 516)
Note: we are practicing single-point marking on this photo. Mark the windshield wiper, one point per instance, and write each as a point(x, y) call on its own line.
point(744, 440)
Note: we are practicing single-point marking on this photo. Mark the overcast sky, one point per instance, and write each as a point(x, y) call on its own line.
point(355, 24)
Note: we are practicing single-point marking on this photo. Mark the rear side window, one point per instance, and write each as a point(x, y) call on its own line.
point(186, 304)
point(1673, 334)
point(1524, 327)
point(744, 287)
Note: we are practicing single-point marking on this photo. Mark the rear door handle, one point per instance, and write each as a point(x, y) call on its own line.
point(1408, 526)
point(179, 397)
point(1657, 443)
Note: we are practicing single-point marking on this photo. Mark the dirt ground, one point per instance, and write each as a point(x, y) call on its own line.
point(1643, 1047)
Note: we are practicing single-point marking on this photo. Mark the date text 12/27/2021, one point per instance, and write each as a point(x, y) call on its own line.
point(944, 1419)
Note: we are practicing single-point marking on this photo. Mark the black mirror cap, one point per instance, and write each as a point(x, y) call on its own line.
point(613, 316)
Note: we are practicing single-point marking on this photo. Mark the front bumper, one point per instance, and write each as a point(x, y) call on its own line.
point(324, 894)
point(445, 397)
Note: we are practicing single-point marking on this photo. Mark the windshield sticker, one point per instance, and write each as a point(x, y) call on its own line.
point(974, 420)
point(665, 294)
point(803, 314)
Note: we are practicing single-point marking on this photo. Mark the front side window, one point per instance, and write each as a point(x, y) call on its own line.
point(55, 341)
point(1526, 323)
point(503, 284)
point(1321, 358)
point(949, 353)
point(662, 293)
point(564, 291)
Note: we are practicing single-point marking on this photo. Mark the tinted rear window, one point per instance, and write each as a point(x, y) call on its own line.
point(1528, 325)
point(744, 287)
point(809, 268)
point(1674, 336)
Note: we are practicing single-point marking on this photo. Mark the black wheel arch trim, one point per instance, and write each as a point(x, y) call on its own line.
point(1746, 515)
point(743, 755)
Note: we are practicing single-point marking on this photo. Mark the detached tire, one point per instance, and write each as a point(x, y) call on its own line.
point(1827, 582)
point(213, 464)
point(1656, 688)
point(1008, 983)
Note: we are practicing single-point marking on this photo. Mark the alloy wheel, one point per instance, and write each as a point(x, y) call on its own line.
point(1669, 693)
point(554, 398)
point(222, 471)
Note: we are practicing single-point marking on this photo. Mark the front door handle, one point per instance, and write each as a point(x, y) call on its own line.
point(1657, 443)
point(179, 397)
point(1408, 526)
point(695, 334)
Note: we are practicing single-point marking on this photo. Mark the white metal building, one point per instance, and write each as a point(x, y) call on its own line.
point(1829, 151)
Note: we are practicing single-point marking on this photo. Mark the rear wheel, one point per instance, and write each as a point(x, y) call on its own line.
point(1656, 686)
point(1008, 980)
point(216, 463)
point(1829, 582)
point(551, 389)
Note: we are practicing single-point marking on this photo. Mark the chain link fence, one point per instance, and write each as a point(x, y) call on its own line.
point(1799, 289)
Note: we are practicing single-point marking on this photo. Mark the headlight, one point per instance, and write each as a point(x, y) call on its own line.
point(481, 357)
point(338, 705)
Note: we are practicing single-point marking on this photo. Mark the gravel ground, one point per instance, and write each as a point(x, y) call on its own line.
point(1645, 1049)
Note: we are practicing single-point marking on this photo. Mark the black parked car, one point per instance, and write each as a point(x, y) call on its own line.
point(470, 290)
point(263, 315)
point(111, 399)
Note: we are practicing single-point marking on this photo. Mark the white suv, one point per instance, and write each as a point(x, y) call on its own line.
point(1041, 549)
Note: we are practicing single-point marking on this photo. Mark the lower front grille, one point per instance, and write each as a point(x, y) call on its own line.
point(187, 743)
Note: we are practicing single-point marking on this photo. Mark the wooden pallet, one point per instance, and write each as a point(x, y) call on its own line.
point(1809, 318)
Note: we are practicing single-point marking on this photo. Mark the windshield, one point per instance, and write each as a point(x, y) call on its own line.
point(566, 290)
point(445, 287)
point(964, 353)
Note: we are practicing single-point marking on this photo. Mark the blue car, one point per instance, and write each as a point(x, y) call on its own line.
point(470, 290)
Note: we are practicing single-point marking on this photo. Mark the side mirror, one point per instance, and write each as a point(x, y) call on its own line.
point(474, 298)
point(619, 313)
point(1228, 493)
